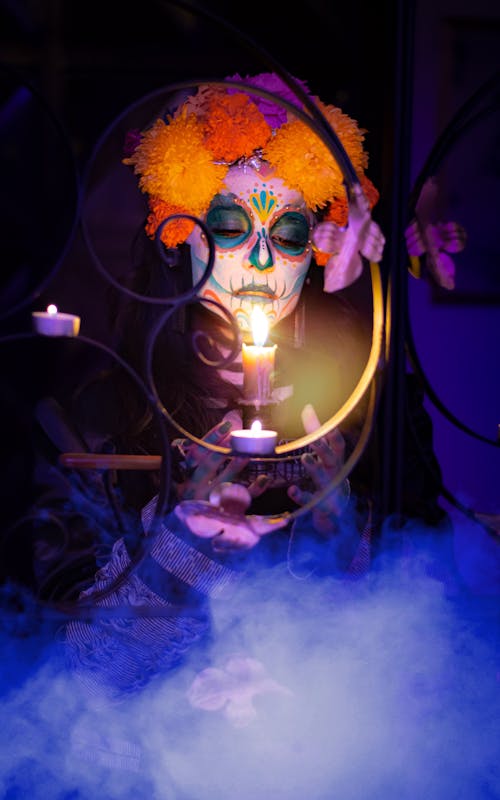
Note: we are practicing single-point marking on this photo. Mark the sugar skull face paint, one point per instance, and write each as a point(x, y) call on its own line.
point(261, 230)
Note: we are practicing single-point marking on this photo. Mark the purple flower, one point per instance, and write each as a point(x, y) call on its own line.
point(274, 114)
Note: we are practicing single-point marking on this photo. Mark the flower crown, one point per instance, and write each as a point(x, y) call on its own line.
point(182, 163)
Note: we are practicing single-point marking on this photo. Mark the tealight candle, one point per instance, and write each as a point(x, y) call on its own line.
point(53, 323)
point(254, 441)
point(258, 362)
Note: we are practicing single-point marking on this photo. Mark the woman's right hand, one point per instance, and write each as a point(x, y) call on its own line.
point(205, 470)
point(323, 464)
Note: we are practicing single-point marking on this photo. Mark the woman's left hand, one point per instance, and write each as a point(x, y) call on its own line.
point(322, 465)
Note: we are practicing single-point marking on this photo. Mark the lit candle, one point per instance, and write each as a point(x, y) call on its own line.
point(254, 441)
point(53, 323)
point(258, 361)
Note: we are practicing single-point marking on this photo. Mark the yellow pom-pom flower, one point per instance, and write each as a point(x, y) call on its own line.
point(306, 164)
point(349, 133)
point(175, 166)
point(182, 163)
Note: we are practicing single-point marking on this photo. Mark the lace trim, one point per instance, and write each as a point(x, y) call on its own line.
point(122, 654)
point(186, 563)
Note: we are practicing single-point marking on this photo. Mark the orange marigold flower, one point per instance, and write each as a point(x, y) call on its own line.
point(175, 166)
point(174, 232)
point(234, 127)
point(321, 258)
point(372, 194)
point(338, 211)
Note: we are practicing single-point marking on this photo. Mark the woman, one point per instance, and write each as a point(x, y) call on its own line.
point(236, 161)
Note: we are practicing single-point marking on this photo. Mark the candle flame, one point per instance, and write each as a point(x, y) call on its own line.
point(260, 326)
point(256, 426)
point(52, 309)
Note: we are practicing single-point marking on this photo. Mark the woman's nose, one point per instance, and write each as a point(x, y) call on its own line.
point(260, 256)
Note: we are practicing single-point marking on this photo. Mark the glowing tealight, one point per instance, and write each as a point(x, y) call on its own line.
point(53, 323)
point(254, 441)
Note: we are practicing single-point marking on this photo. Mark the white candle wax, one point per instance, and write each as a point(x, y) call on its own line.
point(258, 361)
point(54, 323)
point(254, 441)
point(258, 371)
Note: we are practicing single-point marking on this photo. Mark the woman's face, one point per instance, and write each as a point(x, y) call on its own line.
point(262, 234)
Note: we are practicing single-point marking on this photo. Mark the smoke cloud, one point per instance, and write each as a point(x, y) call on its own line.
point(384, 688)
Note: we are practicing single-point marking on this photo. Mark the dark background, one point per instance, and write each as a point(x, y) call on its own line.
point(92, 59)
point(402, 70)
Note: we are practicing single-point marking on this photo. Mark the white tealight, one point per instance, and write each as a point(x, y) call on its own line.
point(254, 441)
point(54, 323)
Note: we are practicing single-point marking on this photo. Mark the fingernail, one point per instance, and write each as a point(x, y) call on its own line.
point(225, 426)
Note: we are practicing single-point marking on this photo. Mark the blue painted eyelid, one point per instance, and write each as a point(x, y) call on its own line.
point(293, 250)
point(217, 216)
point(220, 215)
point(226, 243)
point(295, 223)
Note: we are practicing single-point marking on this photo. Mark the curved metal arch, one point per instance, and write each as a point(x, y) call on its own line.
point(465, 118)
point(45, 281)
point(83, 607)
point(481, 103)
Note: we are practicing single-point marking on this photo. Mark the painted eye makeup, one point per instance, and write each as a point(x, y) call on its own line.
point(229, 225)
point(290, 233)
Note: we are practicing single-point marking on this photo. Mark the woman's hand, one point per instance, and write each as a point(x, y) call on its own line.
point(436, 239)
point(362, 236)
point(206, 469)
point(230, 530)
point(223, 519)
point(322, 465)
point(212, 504)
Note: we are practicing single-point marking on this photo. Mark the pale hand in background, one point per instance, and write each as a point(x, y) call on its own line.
point(232, 689)
point(427, 235)
point(362, 237)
